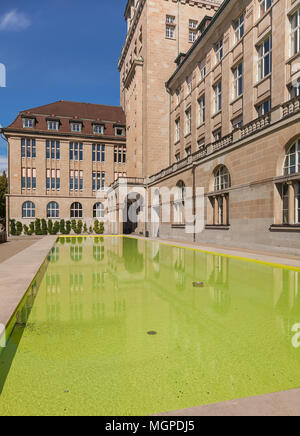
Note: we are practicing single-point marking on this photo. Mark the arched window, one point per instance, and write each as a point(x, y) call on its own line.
point(292, 159)
point(98, 211)
point(76, 210)
point(52, 210)
point(222, 179)
point(28, 210)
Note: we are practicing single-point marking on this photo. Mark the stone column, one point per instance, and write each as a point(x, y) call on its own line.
point(225, 210)
point(216, 211)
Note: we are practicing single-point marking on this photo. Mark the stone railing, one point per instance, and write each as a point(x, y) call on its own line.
point(223, 143)
point(256, 125)
point(291, 107)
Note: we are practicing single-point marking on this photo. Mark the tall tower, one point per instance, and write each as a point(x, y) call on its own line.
point(158, 31)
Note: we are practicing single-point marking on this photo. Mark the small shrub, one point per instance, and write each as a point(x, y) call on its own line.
point(50, 227)
point(55, 228)
point(13, 227)
point(44, 227)
point(90, 230)
point(99, 227)
point(68, 227)
point(85, 229)
point(29, 231)
point(19, 228)
point(37, 227)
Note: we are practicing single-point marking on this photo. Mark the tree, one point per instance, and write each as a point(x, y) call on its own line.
point(3, 192)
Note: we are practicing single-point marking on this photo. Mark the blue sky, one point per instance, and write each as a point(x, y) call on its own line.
point(59, 50)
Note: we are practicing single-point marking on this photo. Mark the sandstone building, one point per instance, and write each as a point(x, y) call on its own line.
point(210, 91)
point(61, 156)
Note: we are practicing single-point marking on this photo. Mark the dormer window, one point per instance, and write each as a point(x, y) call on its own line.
point(76, 127)
point(53, 125)
point(120, 131)
point(28, 123)
point(98, 129)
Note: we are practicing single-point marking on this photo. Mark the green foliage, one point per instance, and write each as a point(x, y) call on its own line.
point(85, 229)
point(68, 227)
point(44, 227)
point(50, 227)
point(77, 226)
point(29, 231)
point(37, 227)
point(90, 230)
point(19, 228)
point(13, 227)
point(99, 227)
point(3, 192)
point(53, 229)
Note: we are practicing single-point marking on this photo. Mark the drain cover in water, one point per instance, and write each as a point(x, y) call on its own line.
point(152, 333)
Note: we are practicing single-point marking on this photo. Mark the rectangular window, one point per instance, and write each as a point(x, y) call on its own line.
point(23, 178)
point(29, 178)
point(192, 35)
point(177, 130)
point(264, 5)
point(237, 123)
point(238, 82)
point(53, 125)
point(285, 204)
point(297, 193)
point(76, 180)
point(120, 131)
point(188, 151)
point(217, 135)
point(188, 121)
point(53, 179)
point(28, 123)
point(71, 180)
point(98, 153)
point(57, 179)
point(33, 145)
point(218, 97)
point(264, 108)
point(202, 68)
point(23, 148)
point(71, 151)
point(80, 152)
point(170, 26)
point(81, 180)
point(33, 178)
point(98, 129)
point(76, 127)
point(120, 154)
point(98, 181)
point(201, 110)
point(76, 151)
point(239, 28)
point(28, 147)
point(295, 32)
point(219, 51)
point(295, 91)
point(264, 58)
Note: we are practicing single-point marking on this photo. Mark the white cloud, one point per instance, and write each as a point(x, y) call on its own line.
point(3, 165)
point(14, 21)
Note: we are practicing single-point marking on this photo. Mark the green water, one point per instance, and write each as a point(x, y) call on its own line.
point(85, 348)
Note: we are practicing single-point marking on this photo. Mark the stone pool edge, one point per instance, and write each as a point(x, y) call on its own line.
point(285, 403)
point(276, 260)
point(17, 274)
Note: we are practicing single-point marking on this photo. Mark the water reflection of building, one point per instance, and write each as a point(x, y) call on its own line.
point(219, 282)
point(287, 299)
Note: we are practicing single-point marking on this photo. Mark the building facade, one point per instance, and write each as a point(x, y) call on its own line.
point(158, 32)
point(61, 157)
point(235, 131)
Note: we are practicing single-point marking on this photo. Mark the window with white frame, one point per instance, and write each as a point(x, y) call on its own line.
point(292, 160)
point(177, 130)
point(219, 51)
point(28, 210)
point(76, 127)
point(201, 110)
point(295, 32)
point(238, 82)
point(99, 211)
point(52, 179)
point(120, 131)
point(76, 210)
point(222, 179)
point(294, 90)
point(188, 121)
point(98, 153)
point(192, 35)
point(193, 24)
point(76, 180)
point(52, 210)
point(53, 150)
point(28, 148)
point(53, 125)
point(170, 26)
point(239, 28)
point(264, 5)
point(218, 97)
point(264, 52)
point(28, 180)
point(28, 123)
point(98, 129)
